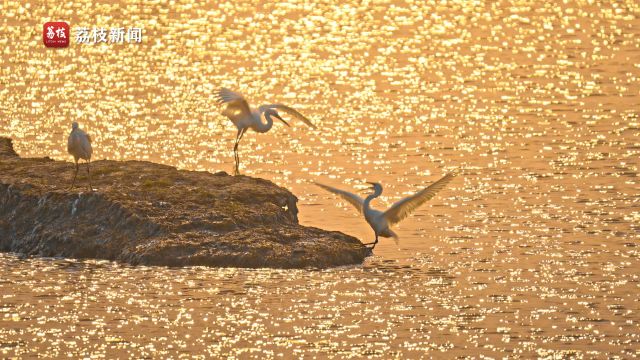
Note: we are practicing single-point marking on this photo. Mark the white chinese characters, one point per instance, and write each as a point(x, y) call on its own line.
point(116, 35)
point(50, 33)
point(59, 32)
point(82, 35)
point(134, 35)
point(97, 35)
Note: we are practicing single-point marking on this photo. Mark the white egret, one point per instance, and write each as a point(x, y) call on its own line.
point(245, 117)
point(381, 222)
point(79, 145)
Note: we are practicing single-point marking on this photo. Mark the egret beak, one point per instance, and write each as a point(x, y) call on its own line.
point(277, 116)
point(366, 189)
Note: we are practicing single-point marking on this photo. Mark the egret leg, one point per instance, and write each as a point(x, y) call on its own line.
point(235, 149)
point(89, 173)
point(75, 175)
point(373, 243)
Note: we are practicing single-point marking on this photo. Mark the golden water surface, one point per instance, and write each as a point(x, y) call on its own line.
point(532, 251)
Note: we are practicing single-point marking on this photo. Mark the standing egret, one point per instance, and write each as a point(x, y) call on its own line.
point(79, 145)
point(245, 117)
point(380, 221)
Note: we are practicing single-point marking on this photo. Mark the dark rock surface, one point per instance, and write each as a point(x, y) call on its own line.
point(146, 213)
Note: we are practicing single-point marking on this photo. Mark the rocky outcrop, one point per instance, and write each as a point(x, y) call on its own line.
point(146, 213)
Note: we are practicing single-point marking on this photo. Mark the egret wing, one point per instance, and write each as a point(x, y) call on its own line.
point(353, 199)
point(293, 112)
point(86, 146)
point(406, 206)
point(70, 142)
point(234, 100)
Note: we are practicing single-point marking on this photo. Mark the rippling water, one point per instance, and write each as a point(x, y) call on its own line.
point(531, 252)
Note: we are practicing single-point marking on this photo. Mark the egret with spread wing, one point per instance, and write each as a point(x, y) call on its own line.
point(79, 145)
point(381, 222)
point(245, 117)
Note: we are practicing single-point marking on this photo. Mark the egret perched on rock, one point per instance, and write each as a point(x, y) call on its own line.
point(380, 221)
point(79, 145)
point(245, 117)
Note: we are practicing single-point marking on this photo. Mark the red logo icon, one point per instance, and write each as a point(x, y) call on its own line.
point(56, 34)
